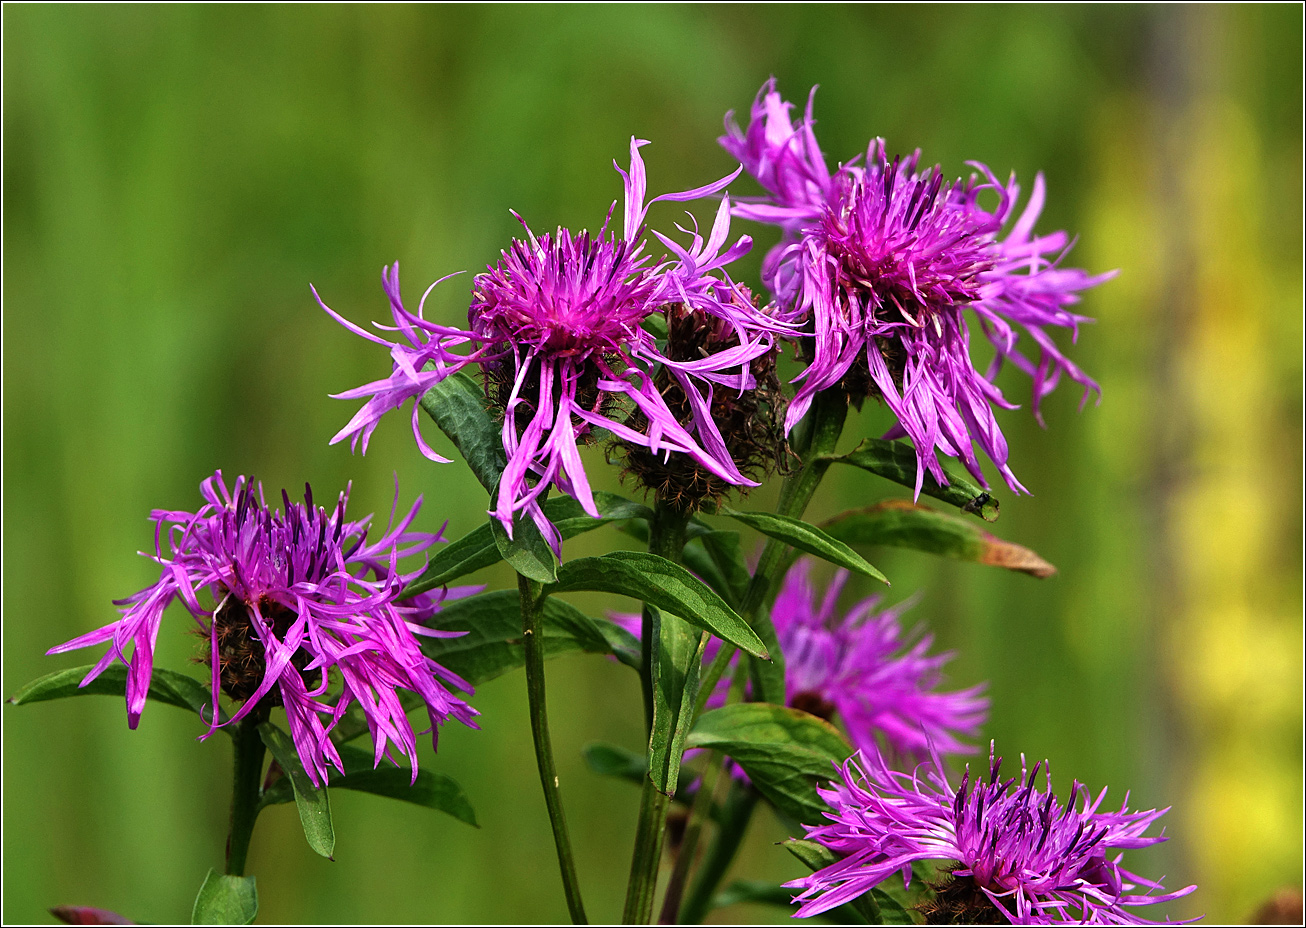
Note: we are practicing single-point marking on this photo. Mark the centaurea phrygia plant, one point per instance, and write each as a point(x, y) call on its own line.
point(558, 328)
point(302, 613)
point(1018, 854)
point(882, 259)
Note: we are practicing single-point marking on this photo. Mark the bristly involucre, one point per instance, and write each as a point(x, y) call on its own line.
point(557, 327)
point(880, 259)
point(1018, 855)
point(305, 614)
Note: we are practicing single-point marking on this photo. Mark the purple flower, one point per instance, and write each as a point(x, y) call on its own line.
point(860, 667)
point(558, 327)
point(295, 620)
point(1018, 853)
point(881, 259)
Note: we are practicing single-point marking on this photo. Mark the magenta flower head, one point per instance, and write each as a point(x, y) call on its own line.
point(557, 326)
point(305, 614)
point(1018, 855)
point(860, 667)
point(881, 259)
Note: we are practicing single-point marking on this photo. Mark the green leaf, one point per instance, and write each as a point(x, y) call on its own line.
point(728, 557)
point(527, 552)
point(477, 549)
point(806, 537)
point(493, 643)
point(457, 404)
point(166, 686)
point(432, 790)
point(312, 802)
point(677, 663)
point(896, 460)
point(785, 752)
point(608, 760)
point(225, 900)
point(659, 583)
point(905, 525)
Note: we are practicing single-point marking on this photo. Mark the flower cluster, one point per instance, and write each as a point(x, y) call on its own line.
point(306, 614)
point(1019, 855)
point(880, 259)
point(558, 327)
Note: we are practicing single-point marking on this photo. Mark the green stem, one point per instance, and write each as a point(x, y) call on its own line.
point(530, 600)
point(666, 539)
point(247, 769)
point(734, 823)
point(698, 813)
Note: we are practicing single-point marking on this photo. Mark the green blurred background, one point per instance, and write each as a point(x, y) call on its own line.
point(175, 177)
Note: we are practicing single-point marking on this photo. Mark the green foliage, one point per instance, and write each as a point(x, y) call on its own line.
point(225, 900)
point(904, 525)
point(311, 801)
point(430, 789)
point(478, 548)
point(677, 663)
point(659, 583)
point(166, 686)
point(807, 538)
point(785, 752)
point(896, 461)
point(609, 760)
point(768, 893)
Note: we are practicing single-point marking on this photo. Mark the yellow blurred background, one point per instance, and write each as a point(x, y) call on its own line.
point(174, 177)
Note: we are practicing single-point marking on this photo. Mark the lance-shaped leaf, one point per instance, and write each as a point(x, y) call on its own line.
point(430, 789)
point(876, 906)
point(659, 583)
point(896, 460)
point(225, 900)
point(609, 760)
point(457, 405)
point(311, 801)
point(166, 686)
point(493, 643)
point(727, 557)
point(785, 752)
point(676, 665)
point(807, 538)
point(477, 549)
point(906, 525)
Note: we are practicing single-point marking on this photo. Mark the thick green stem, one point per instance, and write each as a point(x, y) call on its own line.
point(247, 770)
point(530, 600)
point(666, 539)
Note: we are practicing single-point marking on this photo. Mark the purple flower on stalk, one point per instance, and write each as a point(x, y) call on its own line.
point(557, 326)
point(1019, 855)
point(305, 614)
point(881, 259)
point(861, 668)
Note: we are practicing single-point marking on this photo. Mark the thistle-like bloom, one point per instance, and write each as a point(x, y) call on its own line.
point(881, 259)
point(558, 327)
point(1020, 855)
point(305, 614)
point(861, 668)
